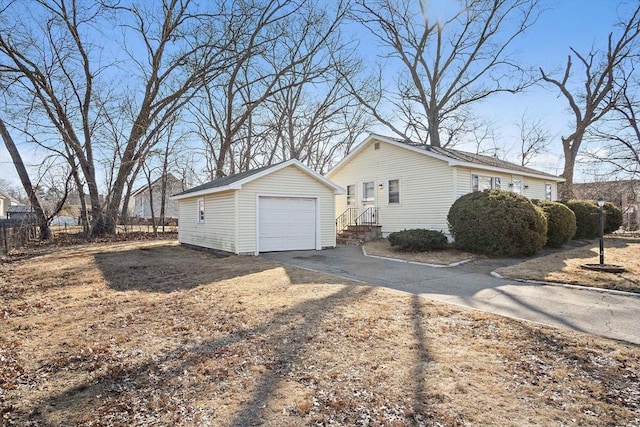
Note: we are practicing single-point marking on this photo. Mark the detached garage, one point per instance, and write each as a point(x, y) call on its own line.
point(282, 207)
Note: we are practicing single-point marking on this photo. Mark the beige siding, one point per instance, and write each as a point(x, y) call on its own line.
point(426, 186)
point(289, 181)
point(218, 229)
point(535, 190)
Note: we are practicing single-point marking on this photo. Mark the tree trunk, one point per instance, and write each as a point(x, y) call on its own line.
point(45, 232)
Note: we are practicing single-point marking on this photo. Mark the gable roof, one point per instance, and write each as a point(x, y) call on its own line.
point(5, 196)
point(145, 187)
point(452, 157)
point(236, 181)
point(19, 209)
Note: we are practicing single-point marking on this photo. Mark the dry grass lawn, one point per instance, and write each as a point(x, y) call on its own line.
point(151, 333)
point(565, 266)
point(382, 248)
point(560, 266)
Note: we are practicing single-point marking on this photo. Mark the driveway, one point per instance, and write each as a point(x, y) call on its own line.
point(471, 285)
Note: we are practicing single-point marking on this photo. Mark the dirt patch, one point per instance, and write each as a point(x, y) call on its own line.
point(566, 266)
point(152, 333)
point(382, 248)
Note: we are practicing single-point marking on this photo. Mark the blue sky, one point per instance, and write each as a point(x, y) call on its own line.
point(577, 23)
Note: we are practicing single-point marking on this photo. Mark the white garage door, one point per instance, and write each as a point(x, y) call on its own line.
point(286, 224)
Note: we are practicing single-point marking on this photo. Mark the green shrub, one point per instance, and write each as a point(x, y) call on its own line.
point(561, 222)
point(613, 217)
point(418, 240)
point(497, 222)
point(587, 223)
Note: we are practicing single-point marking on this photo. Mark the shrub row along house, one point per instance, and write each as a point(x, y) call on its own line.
point(385, 182)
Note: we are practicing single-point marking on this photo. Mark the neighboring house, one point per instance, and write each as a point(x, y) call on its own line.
point(5, 202)
point(141, 199)
point(20, 213)
point(404, 185)
point(624, 194)
point(286, 206)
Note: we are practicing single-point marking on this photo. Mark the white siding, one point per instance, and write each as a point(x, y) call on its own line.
point(218, 229)
point(426, 186)
point(535, 190)
point(289, 181)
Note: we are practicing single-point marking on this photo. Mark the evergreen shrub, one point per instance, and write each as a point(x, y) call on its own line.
point(561, 222)
point(417, 240)
point(497, 223)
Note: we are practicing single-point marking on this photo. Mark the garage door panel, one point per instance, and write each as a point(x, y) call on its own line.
point(287, 224)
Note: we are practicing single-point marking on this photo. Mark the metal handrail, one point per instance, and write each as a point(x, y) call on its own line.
point(368, 217)
point(350, 217)
point(346, 219)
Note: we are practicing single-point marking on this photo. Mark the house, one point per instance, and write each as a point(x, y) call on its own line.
point(5, 202)
point(399, 184)
point(141, 199)
point(625, 194)
point(20, 213)
point(286, 206)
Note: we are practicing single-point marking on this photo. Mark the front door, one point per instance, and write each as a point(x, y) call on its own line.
point(368, 201)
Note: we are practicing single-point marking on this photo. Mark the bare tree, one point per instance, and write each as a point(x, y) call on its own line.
point(618, 134)
point(43, 218)
point(61, 76)
point(533, 139)
point(283, 45)
point(446, 66)
point(595, 95)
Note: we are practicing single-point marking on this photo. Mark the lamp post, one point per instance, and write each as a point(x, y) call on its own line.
point(601, 215)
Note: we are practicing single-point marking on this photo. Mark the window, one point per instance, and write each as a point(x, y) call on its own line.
point(481, 183)
point(200, 210)
point(368, 191)
point(394, 191)
point(376, 146)
point(547, 191)
point(351, 195)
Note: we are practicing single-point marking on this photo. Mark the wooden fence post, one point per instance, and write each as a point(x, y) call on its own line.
point(5, 248)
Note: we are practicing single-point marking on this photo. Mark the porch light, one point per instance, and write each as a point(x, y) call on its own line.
point(380, 186)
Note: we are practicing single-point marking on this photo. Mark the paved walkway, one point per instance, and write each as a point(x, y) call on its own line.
point(471, 285)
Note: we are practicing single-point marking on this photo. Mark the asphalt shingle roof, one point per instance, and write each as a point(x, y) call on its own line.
point(227, 180)
point(480, 159)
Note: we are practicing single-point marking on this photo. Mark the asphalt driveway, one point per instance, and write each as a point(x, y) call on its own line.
point(471, 285)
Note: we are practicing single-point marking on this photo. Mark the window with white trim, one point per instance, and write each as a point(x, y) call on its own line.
point(548, 192)
point(394, 191)
point(482, 182)
point(200, 210)
point(351, 195)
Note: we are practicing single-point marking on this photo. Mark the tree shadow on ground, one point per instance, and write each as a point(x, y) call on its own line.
point(172, 268)
point(288, 347)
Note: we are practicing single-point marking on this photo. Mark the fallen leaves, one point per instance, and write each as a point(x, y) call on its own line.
point(87, 340)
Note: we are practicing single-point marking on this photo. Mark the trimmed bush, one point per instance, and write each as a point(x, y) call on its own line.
point(613, 217)
point(561, 222)
point(498, 223)
point(417, 240)
point(586, 212)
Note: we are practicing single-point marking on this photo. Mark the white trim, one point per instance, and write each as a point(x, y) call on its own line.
point(237, 185)
point(201, 220)
point(207, 191)
point(289, 196)
point(360, 192)
point(448, 160)
point(399, 191)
